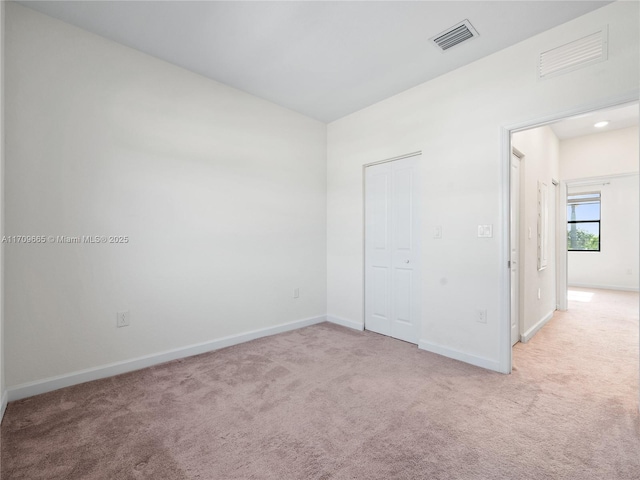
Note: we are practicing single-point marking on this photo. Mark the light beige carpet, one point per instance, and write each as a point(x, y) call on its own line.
point(326, 402)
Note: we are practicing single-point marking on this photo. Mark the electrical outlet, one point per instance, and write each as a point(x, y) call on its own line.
point(296, 293)
point(122, 319)
point(629, 271)
point(482, 315)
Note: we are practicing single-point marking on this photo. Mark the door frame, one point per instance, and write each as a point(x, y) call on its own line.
point(560, 240)
point(520, 156)
point(506, 359)
point(364, 229)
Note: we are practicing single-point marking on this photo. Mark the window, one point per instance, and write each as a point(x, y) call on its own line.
point(583, 222)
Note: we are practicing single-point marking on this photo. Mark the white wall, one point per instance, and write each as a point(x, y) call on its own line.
point(615, 266)
point(222, 195)
point(456, 121)
point(3, 398)
point(614, 158)
point(540, 147)
point(601, 154)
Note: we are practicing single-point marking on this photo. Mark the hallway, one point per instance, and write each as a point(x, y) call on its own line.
point(589, 351)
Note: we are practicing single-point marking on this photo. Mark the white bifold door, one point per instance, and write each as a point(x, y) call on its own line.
point(392, 249)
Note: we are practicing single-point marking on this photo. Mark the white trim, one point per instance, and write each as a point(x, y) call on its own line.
point(505, 359)
point(528, 335)
point(630, 97)
point(561, 246)
point(345, 323)
point(3, 405)
point(387, 160)
point(598, 180)
point(562, 267)
point(481, 362)
point(54, 383)
point(605, 287)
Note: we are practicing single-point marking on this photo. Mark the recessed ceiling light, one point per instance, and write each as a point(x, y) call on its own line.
point(604, 123)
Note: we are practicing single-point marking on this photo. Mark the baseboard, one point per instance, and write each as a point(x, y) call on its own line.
point(604, 287)
point(54, 383)
point(528, 335)
point(3, 405)
point(345, 323)
point(476, 360)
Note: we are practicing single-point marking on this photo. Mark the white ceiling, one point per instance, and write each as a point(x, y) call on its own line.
point(322, 59)
point(619, 117)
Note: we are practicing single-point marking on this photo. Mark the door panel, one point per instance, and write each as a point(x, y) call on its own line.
point(377, 246)
point(403, 196)
point(380, 195)
point(402, 297)
point(380, 292)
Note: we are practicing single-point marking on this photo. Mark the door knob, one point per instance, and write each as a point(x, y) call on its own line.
point(406, 261)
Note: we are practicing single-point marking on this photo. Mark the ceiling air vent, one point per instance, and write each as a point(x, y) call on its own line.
point(577, 54)
point(455, 35)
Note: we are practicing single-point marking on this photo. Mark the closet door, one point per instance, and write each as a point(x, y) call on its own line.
point(392, 249)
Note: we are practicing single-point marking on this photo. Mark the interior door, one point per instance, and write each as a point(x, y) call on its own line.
point(514, 259)
point(392, 249)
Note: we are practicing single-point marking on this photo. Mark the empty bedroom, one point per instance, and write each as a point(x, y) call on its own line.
point(276, 240)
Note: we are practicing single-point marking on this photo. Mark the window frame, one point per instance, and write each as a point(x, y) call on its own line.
point(598, 221)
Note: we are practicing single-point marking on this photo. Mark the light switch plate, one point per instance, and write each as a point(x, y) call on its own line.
point(123, 319)
point(485, 231)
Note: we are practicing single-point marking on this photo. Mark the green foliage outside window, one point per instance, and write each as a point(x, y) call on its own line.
point(582, 240)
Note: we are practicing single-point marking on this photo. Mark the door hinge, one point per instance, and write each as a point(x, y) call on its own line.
point(508, 263)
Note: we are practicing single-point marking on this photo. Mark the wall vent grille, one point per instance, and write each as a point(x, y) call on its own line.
point(455, 35)
point(577, 54)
